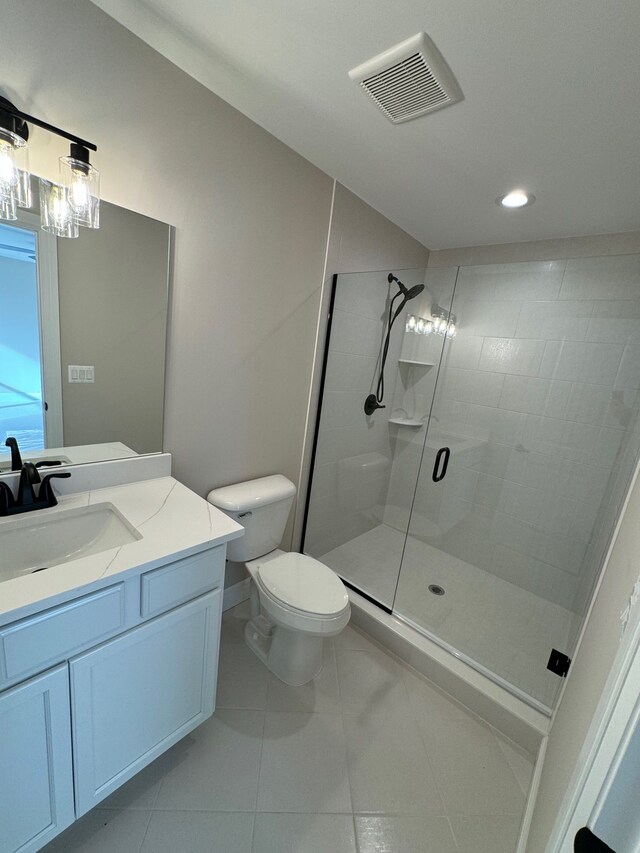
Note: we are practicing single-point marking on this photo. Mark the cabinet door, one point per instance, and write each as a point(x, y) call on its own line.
point(36, 779)
point(136, 695)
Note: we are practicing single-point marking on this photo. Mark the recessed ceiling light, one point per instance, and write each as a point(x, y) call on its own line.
point(516, 198)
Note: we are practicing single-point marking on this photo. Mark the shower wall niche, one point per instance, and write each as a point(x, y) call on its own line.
point(536, 400)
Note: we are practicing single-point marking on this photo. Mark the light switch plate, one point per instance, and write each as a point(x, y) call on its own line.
point(81, 373)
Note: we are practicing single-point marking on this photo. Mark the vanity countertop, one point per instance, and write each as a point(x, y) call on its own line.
point(173, 521)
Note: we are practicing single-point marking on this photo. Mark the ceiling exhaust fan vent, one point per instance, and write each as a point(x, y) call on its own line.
point(408, 80)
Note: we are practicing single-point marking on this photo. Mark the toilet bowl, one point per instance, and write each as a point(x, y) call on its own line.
point(296, 601)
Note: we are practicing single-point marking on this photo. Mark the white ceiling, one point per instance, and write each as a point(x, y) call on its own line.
point(551, 103)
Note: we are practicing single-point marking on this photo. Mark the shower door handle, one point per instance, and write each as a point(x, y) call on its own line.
point(439, 470)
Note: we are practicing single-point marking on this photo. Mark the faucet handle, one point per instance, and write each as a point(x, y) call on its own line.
point(29, 477)
point(7, 501)
point(46, 491)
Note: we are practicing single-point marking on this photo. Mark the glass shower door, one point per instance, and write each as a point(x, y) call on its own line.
point(536, 401)
point(365, 466)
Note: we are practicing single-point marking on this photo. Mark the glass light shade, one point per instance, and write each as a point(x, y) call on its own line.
point(23, 188)
point(82, 182)
point(420, 326)
point(12, 148)
point(428, 328)
point(411, 323)
point(8, 207)
point(56, 215)
point(451, 330)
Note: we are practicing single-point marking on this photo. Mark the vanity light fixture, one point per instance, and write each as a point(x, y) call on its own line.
point(515, 199)
point(64, 206)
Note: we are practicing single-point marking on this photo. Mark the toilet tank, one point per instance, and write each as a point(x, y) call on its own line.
point(262, 507)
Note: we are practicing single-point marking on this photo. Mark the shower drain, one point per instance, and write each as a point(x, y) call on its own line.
point(435, 589)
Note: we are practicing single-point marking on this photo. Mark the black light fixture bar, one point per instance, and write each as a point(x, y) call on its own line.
point(8, 108)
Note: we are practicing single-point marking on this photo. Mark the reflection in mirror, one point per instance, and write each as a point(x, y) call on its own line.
point(82, 338)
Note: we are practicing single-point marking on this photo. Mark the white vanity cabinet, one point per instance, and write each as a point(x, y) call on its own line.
point(136, 695)
point(36, 780)
point(129, 669)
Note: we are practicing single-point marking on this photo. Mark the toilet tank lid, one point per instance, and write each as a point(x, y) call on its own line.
point(251, 494)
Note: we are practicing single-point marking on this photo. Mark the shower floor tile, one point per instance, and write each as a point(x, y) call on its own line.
point(390, 764)
point(507, 629)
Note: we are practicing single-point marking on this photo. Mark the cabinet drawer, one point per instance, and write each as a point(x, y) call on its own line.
point(171, 585)
point(34, 643)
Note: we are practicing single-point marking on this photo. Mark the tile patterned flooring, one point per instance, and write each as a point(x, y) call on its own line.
point(369, 758)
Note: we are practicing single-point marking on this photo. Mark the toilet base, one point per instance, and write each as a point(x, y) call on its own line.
point(292, 656)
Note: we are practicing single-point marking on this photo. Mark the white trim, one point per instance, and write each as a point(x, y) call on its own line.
point(605, 738)
point(236, 594)
point(49, 323)
point(50, 338)
point(609, 733)
point(525, 826)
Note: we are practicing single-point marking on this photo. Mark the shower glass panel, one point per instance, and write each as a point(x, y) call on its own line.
point(537, 399)
point(365, 467)
point(492, 547)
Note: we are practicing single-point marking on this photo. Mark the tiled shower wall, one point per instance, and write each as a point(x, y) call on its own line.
point(545, 369)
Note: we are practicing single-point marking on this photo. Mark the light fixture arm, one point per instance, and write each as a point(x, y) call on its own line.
point(21, 128)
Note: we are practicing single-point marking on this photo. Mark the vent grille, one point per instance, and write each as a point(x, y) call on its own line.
point(408, 80)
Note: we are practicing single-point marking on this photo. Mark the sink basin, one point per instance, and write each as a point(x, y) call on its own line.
point(30, 543)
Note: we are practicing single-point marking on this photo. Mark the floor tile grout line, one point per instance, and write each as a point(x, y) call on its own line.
point(347, 764)
point(453, 835)
point(146, 832)
point(264, 724)
point(356, 840)
point(253, 832)
point(506, 758)
point(346, 813)
point(425, 746)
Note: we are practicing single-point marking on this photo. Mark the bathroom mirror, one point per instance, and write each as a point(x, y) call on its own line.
point(82, 337)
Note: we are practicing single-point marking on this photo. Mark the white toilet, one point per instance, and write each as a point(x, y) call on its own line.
point(296, 601)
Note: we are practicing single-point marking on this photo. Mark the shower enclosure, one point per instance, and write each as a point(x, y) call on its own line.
point(477, 506)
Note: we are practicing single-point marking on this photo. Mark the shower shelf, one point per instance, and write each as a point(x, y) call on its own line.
point(406, 422)
point(412, 362)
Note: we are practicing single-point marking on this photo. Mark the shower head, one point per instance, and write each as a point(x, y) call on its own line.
point(374, 401)
point(413, 291)
point(408, 293)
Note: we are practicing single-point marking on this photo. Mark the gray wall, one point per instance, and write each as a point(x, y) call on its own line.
point(252, 220)
point(360, 240)
point(113, 311)
point(588, 676)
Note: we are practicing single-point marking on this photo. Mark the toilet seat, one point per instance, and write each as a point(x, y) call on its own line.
point(302, 584)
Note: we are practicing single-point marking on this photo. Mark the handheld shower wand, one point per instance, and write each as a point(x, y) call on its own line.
point(374, 401)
